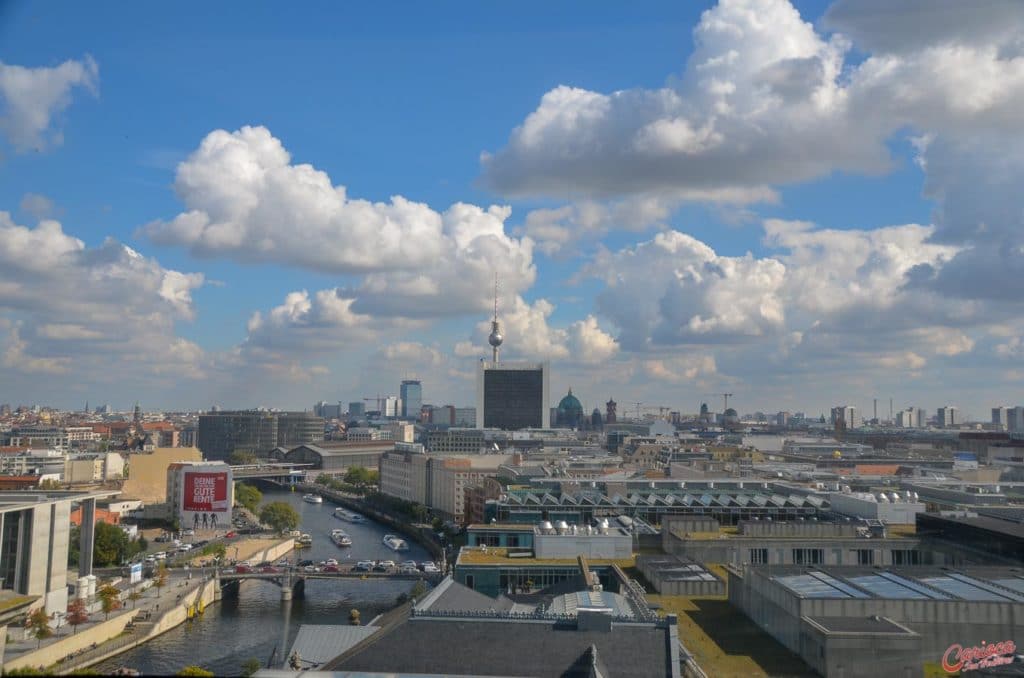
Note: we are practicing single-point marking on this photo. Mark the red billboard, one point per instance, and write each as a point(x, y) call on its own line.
point(206, 492)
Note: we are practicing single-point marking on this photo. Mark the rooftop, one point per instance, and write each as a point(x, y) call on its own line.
point(489, 555)
point(983, 584)
point(859, 625)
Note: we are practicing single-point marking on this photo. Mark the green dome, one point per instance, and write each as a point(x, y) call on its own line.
point(570, 411)
point(570, 403)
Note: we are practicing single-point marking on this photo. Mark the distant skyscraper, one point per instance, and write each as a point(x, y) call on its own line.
point(1015, 418)
point(610, 416)
point(1000, 416)
point(392, 407)
point(356, 410)
point(948, 416)
point(411, 393)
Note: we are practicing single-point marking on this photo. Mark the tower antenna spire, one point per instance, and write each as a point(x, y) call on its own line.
point(495, 338)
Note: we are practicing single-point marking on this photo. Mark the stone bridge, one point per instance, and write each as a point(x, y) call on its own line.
point(293, 580)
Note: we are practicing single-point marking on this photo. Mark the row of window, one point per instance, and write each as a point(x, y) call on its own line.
point(812, 556)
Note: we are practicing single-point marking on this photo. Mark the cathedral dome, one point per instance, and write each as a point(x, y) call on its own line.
point(570, 411)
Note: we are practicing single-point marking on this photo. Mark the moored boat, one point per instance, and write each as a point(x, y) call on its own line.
point(341, 538)
point(313, 498)
point(303, 541)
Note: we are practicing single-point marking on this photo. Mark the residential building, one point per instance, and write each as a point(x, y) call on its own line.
point(405, 474)
point(450, 476)
point(401, 432)
point(365, 433)
point(411, 394)
point(49, 437)
point(147, 474)
point(512, 396)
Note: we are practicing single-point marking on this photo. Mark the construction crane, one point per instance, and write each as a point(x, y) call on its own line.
point(726, 396)
point(377, 400)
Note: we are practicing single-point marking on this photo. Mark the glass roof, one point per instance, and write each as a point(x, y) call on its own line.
point(962, 589)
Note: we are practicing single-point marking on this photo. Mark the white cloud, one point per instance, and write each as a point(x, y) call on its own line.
point(93, 313)
point(31, 97)
point(681, 369)
point(246, 200)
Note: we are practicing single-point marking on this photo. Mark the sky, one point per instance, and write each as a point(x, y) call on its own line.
point(802, 204)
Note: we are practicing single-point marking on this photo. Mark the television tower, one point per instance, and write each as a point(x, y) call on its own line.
point(495, 338)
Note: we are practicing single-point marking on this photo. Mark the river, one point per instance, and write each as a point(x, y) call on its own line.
point(254, 624)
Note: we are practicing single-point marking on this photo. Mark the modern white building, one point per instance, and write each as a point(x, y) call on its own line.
point(893, 508)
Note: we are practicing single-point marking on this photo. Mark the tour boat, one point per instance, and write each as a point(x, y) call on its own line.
point(341, 538)
point(303, 541)
point(395, 543)
point(313, 498)
point(350, 516)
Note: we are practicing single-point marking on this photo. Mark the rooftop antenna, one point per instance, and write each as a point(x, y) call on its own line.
point(495, 338)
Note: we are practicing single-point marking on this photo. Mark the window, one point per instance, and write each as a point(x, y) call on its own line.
point(906, 557)
point(758, 556)
point(865, 557)
point(808, 556)
point(469, 581)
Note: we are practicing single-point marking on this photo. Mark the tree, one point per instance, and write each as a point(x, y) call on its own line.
point(77, 614)
point(110, 599)
point(248, 497)
point(197, 671)
point(160, 578)
point(242, 457)
point(250, 666)
point(280, 516)
point(110, 545)
point(39, 622)
point(133, 596)
point(361, 477)
point(49, 484)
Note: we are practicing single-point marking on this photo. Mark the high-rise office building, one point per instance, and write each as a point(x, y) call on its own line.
point(411, 393)
point(947, 416)
point(512, 396)
point(1000, 416)
point(392, 407)
point(1015, 418)
point(356, 410)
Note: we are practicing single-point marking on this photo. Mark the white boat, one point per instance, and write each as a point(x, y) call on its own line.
point(313, 498)
point(350, 516)
point(341, 538)
point(304, 540)
point(395, 543)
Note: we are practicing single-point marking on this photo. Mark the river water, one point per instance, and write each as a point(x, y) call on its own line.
point(254, 624)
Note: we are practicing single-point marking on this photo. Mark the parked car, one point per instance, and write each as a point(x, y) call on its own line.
point(184, 548)
point(231, 534)
point(430, 568)
point(160, 555)
point(304, 563)
point(408, 569)
point(270, 569)
point(242, 568)
point(364, 566)
point(389, 564)
point(331, 568)
point(188, 533)
point(310, 568)
point(410, 563)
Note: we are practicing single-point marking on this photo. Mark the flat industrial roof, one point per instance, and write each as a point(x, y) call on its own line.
point(986, 584)
point(472, 555)
point(997, 525)
point(859, 625)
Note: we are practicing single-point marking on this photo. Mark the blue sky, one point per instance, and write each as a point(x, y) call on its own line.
point(403, 100)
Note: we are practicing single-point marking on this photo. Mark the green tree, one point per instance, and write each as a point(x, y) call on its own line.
point(39, 622)
point(160, 578)
point(196, 671)
point(76, 614)
point(110, 599)
point(216, 550)
point(248, 497)
point(133, 596)
point(49, 484)
point(250, 666)
point(26, 671)
point(242, 457)
point(280, 516)
point(110, 545)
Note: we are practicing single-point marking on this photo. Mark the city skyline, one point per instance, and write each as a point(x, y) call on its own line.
point(676, 202)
